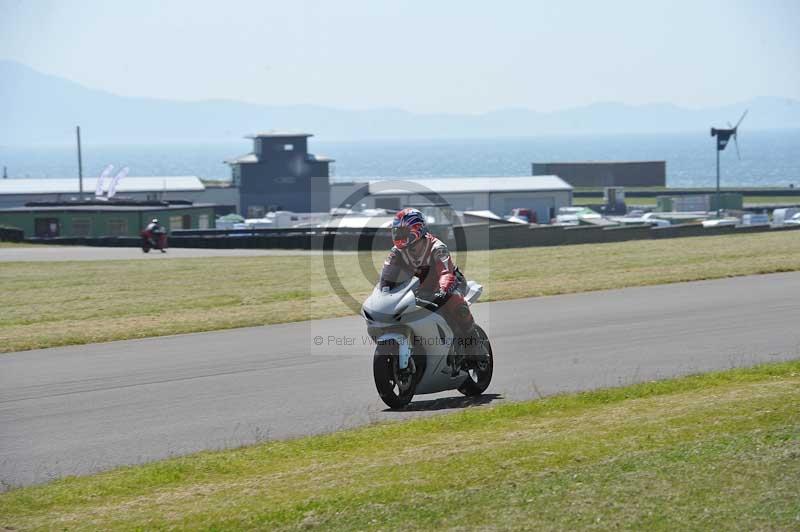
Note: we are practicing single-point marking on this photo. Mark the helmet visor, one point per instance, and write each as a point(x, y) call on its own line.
point(400, 236)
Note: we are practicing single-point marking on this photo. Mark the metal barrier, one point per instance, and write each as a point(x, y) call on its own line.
point(470, 237)
point(11, 234)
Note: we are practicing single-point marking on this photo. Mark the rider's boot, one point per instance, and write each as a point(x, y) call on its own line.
point(454, 359)
point(467, 352)
point(473, 348)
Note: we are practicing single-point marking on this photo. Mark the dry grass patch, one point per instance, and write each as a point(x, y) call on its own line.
point(15, 245)
point(61, 303)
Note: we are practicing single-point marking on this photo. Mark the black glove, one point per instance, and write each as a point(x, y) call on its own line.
point(440, 297)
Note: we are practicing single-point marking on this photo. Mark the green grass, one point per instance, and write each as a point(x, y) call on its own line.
point(761, 191)
point(771, 200)
point(15, 245)
point(707, 452)
point(60, 303)
point(651, 202)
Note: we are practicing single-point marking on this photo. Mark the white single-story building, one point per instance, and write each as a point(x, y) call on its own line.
point(544, 194)
point(18, 192)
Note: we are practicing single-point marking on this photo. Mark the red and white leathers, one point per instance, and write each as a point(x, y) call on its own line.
point(430, 261)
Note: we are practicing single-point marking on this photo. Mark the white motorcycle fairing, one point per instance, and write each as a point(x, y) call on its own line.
point(395, 316)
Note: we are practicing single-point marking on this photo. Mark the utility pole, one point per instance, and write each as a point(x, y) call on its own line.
point(80, 164)
point(5, 173)
point(719, 203)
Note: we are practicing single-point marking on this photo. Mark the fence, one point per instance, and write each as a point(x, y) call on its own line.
point(11, 234)
point(505, 236)
point(471, 237)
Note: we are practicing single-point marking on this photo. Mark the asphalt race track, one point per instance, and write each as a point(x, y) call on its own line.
point(82, 409)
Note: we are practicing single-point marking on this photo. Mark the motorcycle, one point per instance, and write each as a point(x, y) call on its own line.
point(154, 240)
point(417, 352)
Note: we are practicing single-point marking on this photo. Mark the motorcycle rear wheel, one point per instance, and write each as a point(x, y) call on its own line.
point(395, 391)
point(481, 376)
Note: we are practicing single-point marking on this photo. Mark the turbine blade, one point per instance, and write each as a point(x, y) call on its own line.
point(742, 118)
point(736, 142)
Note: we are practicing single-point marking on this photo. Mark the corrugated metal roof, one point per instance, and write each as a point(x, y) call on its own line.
point(247, 158)
point(598, 163)
point(127, 184)
point(453, 185)
point(106, 208)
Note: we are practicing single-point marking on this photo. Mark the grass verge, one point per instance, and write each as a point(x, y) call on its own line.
point(60, 303)
point(747, 200)
point(713, 451)
point(15, 245)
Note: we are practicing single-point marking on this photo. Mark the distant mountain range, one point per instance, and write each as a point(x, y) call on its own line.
point(39, 108)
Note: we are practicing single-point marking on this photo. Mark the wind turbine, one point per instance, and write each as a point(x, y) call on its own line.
point(723, 136)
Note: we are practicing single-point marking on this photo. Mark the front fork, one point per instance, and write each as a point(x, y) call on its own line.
point(403, 347)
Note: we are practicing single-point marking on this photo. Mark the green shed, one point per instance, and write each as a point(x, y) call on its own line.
point(93, 220)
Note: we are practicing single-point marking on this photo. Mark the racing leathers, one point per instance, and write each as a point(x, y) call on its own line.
point(155, 228)
point(440, 280)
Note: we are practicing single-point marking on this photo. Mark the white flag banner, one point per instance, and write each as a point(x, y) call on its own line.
point(112, 188)
point(98, 190)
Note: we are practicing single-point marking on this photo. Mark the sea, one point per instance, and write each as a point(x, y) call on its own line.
point(767, 158)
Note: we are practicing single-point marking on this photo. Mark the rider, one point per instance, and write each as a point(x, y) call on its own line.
point(154, 227)
point(155, 233)
point(417, 252)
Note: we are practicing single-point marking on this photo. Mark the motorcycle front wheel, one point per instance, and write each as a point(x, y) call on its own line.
point(481, 375)
point(394, 388)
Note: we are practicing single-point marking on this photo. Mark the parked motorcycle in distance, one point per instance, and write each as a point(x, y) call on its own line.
point(416, 350)
point(154, 240)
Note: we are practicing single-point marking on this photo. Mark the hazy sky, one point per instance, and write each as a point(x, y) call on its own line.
point(434, 55)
